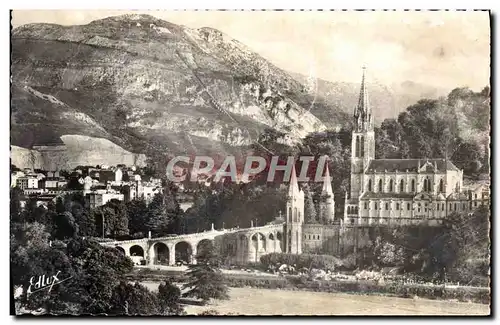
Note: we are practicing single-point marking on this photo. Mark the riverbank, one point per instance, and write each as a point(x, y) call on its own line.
point(263, 302)
point(294, 283)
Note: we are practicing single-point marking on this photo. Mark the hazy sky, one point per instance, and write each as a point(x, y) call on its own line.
point(440, 49)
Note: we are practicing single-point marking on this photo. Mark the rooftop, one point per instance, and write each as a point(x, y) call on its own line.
point(411, 165)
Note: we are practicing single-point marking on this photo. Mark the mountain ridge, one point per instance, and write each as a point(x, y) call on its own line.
point(178, 83)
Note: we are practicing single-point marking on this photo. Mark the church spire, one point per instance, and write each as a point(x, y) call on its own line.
point(327, 183)
point(294, 185)
point(362, 112)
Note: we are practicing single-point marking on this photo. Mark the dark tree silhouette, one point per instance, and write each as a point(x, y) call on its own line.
point(205, 278)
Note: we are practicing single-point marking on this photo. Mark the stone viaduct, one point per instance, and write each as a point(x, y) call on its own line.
point(238, 246)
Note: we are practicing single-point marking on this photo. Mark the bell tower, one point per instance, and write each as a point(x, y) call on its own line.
point(294, 216)
point(363, 140)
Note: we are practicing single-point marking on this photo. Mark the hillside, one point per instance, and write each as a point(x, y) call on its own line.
point(79, 150)
point(151, 87)
point(386, 101)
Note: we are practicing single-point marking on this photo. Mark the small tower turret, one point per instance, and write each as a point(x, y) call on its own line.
point(327, 202)
point(294, 216)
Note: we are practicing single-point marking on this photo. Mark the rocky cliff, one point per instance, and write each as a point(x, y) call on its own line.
point(150, 86)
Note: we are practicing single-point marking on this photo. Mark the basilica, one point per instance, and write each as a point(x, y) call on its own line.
point(397, 191)
point(382, 192)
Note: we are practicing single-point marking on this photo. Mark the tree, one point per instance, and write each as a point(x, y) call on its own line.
point(174, 212)
point(137, 212)
point(65, 226)
point(115, 218)
point(467, 156)
point(15, 205)
point(205, 278)
point(117, 223)
point(169, 299)
point(99, 270)
point(134, 299)
point(157, 218)
point(309, 208)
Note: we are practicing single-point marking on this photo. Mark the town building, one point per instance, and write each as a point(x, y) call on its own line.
point(27, 182)
point(97, 198)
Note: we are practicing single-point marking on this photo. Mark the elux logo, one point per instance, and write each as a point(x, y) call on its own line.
point(44, 282)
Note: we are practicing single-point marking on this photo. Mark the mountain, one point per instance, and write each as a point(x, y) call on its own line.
point(152, 87)
point(386, 101)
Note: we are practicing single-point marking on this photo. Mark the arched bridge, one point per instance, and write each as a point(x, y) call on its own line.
point(237, 245)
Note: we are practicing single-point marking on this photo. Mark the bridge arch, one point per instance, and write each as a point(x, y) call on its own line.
point(183, 252)
point(161, 254)
point(121, 250)
point(137, 254)
point(204, 245)
point(136, 250)
point(260, 241)
point(258, 246)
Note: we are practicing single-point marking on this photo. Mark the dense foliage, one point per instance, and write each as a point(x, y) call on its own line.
point(205, 280)
point(92, 278)
point(458, 251)
point(300, 261)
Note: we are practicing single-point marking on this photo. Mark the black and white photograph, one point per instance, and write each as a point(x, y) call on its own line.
point(250, 162)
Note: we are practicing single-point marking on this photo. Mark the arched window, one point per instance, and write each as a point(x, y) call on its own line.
point(380, 185)
point(357, 146)
point(391, 186)
point(427, 185)
point(413, 185)
point(441, 186)
point(290, 214)
point(362, 146)
point(370, 185)
point(402, 186)
point(295, 215)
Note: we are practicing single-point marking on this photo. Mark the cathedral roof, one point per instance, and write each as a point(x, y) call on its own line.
point(410, 165)
point(382, 195)
point(456, 196)
point(417, 197)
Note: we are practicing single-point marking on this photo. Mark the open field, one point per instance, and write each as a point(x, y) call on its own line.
point(250, 301)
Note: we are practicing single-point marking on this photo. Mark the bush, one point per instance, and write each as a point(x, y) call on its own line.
point(209, 312)
point(324, 262)
point(169, 299)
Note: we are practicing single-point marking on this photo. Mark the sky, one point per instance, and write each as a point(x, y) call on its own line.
point(435, 48)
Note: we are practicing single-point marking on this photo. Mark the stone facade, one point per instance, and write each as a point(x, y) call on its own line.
point(397, 191)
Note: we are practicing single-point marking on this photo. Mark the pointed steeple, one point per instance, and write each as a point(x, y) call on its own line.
point(327, 183)
point(294, 185)
point(362, 112)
